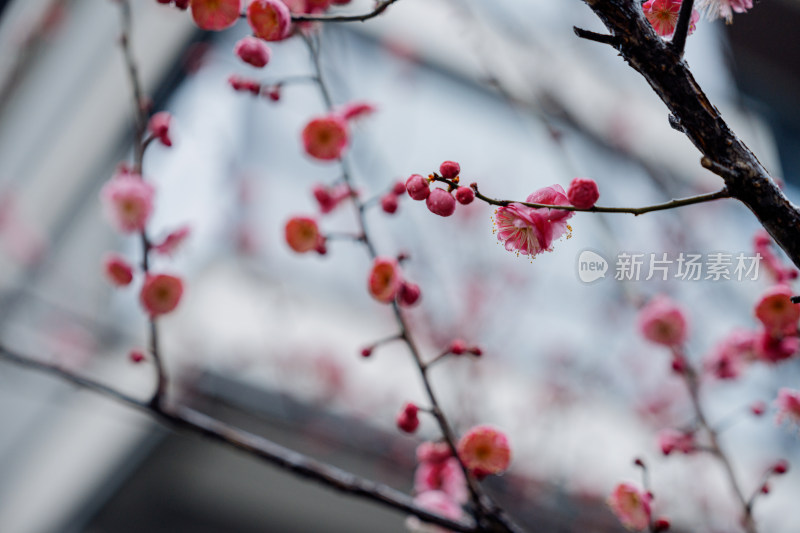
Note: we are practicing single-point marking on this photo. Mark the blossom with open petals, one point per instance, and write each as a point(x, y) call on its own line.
point(631, 505)
point(385, 280)
point(326, 137)
point(303, 235)
point(777, 312)
point(128, 202)
point(714, 9)
point(530, 230)
point(485, 450)
point(662, 321)
point(663, 16)
point(161, 294)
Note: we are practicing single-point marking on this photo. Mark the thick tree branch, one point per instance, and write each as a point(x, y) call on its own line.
point(671, 79)
point(191, 421)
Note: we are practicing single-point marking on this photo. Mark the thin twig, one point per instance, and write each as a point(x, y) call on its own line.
point(483, 508)
point(700, 198)
point(140, 144)
point(380, 7)
point(692, 384)
point(187, 419)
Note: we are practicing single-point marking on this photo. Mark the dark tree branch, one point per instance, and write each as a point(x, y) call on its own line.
point(682, 28)
point(191, 421)
point(746, 179)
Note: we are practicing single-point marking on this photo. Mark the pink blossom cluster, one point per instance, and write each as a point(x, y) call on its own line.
point(438, 470)
point(439, 201)
point(714, 9)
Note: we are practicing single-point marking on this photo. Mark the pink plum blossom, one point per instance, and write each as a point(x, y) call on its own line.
point(531, 230)
point(326, 137)
point(215, 15)
point(663, 16)
point(329, 198)
point(433, 452)
point(727, 359)
point(583, 193)
point(161, 294)
point(159, 127)
point(117, 270)
point(384, 279)
point(128, 202)
point(672, 440)
point(776, 311)
point(444, 475)
point(408, 418)
point(775, 348)
point(173, 241)
point(437, 502)
point(252, 51)
point(788, 404)
point(631, 506)
point(269, 19)
point(356, 110)
point(485, 450)
point(389, 203)
point(662, 321)
point(303, 235)
point(714, 9)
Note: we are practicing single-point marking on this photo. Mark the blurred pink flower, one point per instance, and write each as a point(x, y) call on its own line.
point(445, 475)
point(161, 294)
point(437, 502)
point(631, 506)
point(269, 19)
point(303, 235)
point(128, 202)
point(485, 450)
point(326, 137)
point(672, 440)
point(714, 9)
point(173, 241)
point(777, 312)
point(662, 321)
point(117, 270)
point(253, 51)
point(384, 279)
point(788, 404)
point(215, 15)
